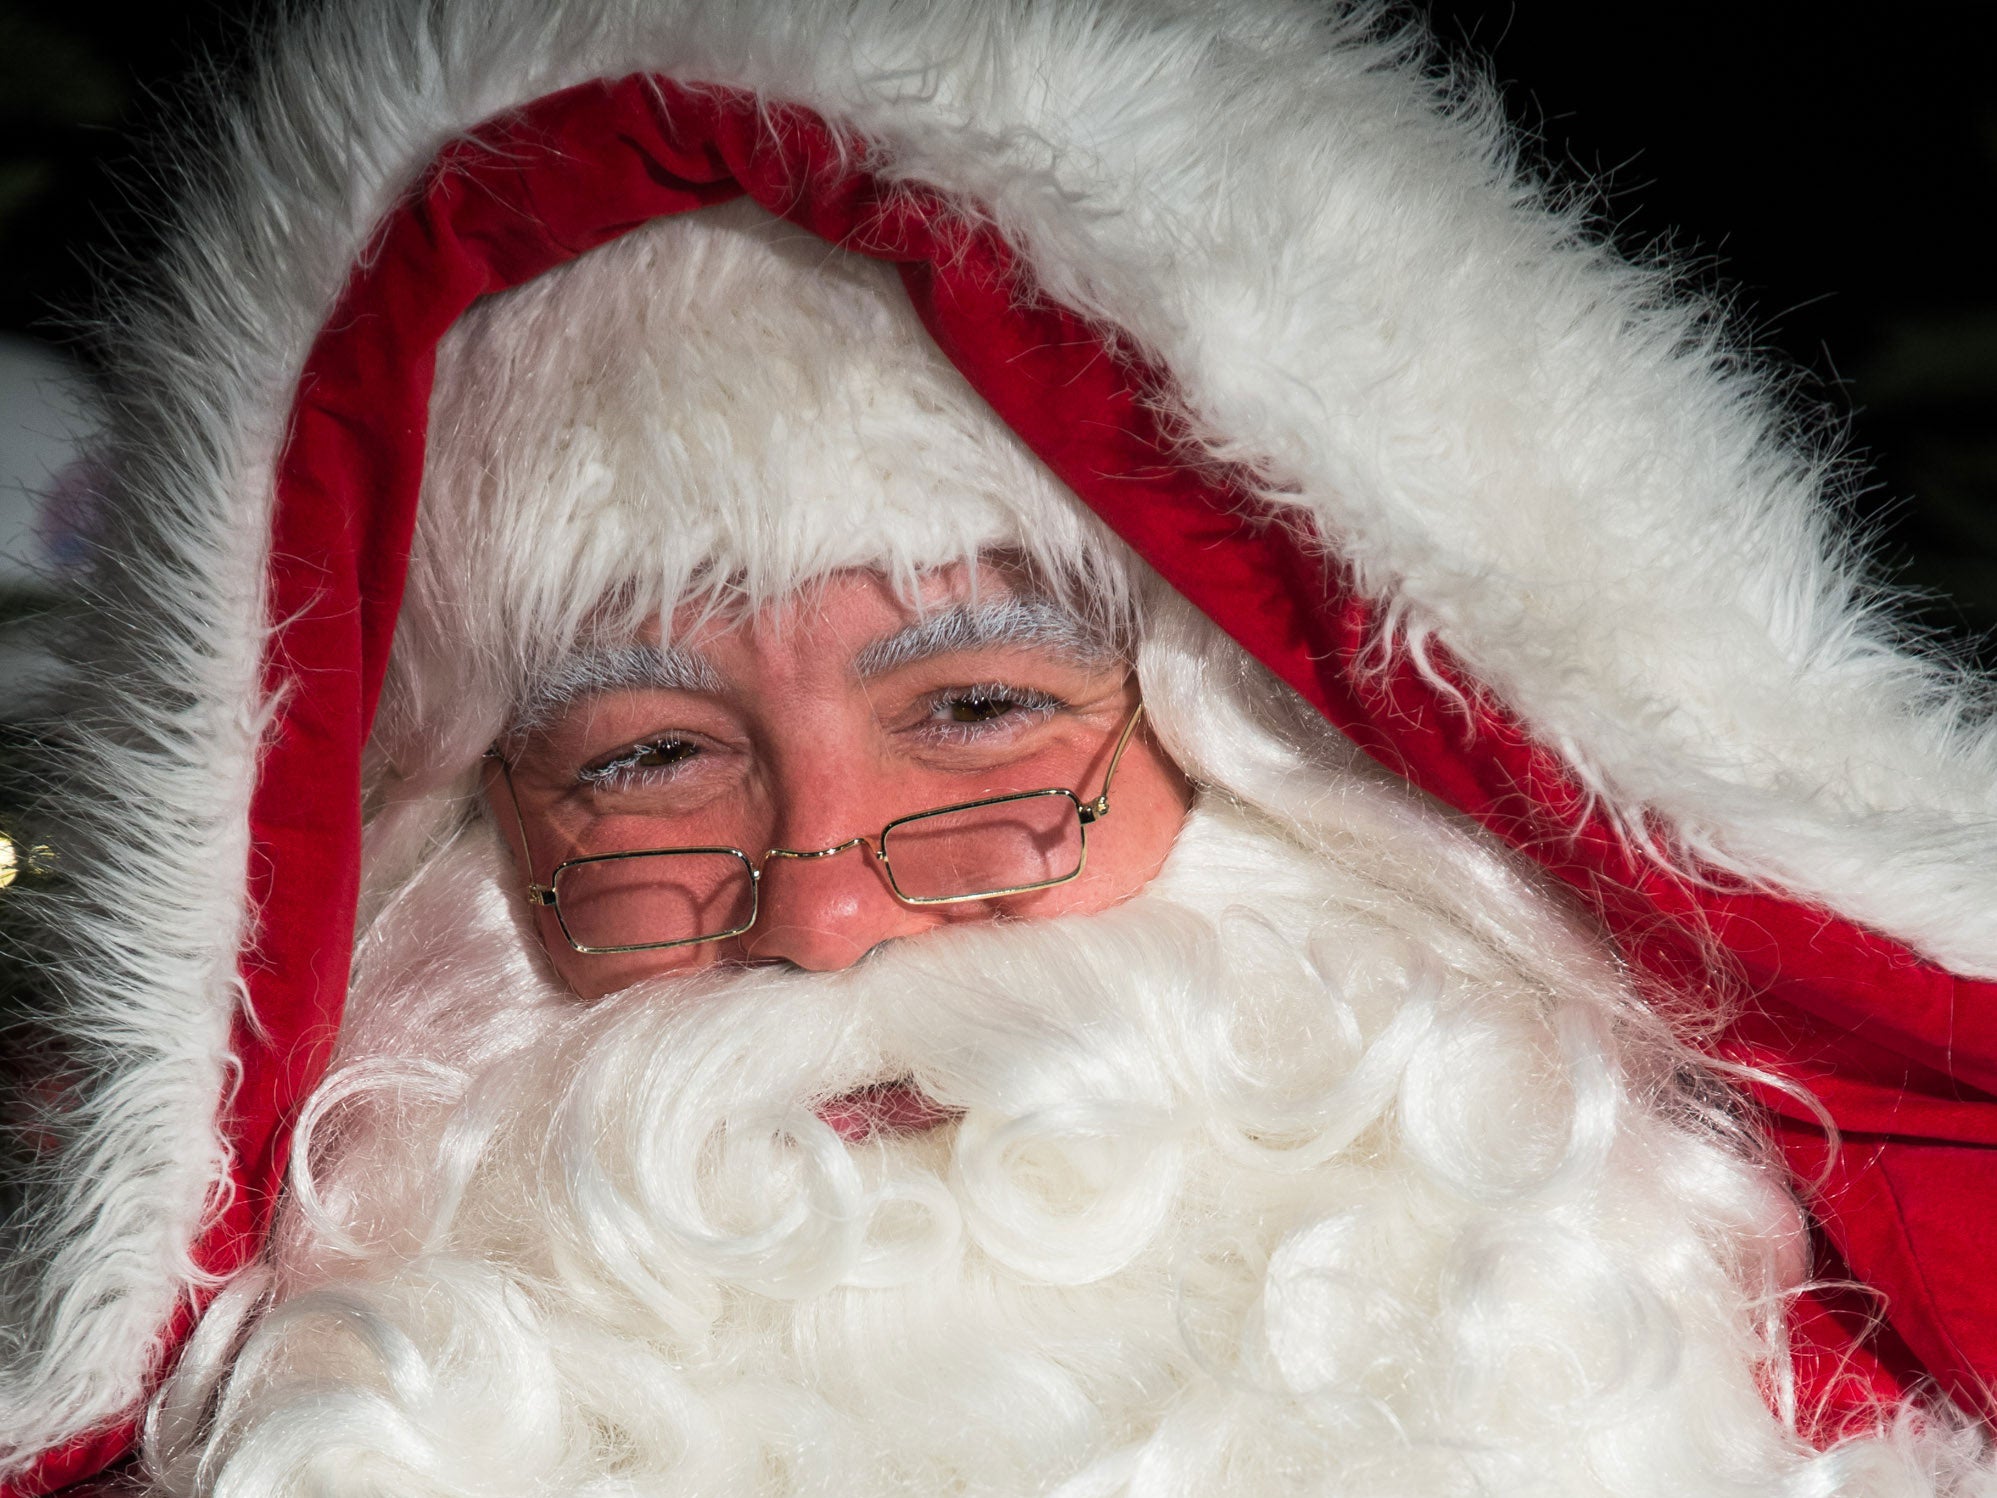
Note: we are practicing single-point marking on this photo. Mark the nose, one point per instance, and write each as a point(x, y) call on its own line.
point(824, 908)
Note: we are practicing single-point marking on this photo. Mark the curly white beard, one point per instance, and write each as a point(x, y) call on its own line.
point(1270, 1180)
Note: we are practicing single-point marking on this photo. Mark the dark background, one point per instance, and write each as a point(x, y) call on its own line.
point(1825, 173)
point(1828, 165)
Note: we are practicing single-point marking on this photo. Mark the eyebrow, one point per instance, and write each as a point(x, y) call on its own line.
point(1030, 622)
point(1037, 623)
point(615, 668)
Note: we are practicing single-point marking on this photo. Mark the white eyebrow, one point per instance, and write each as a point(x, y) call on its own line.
point(615, 668)
point(1038, 623)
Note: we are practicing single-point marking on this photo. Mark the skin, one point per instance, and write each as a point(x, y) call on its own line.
point(787, 744)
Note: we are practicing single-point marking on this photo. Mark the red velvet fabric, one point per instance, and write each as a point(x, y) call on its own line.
point(1902, 1054)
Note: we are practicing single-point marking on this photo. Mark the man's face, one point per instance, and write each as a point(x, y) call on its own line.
point(811, 724)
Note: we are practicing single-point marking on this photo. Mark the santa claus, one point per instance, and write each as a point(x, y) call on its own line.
point(917, 748)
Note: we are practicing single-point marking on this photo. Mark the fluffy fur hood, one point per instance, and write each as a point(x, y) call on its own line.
point(1573, 536)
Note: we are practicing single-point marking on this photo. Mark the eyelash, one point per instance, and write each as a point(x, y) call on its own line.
point(1023, 704)
point(623, 766)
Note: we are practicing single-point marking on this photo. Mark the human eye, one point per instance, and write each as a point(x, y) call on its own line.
point(985, 711)
point(651, 762)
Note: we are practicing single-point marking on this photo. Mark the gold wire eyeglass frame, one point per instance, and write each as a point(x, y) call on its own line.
point(1086, 813)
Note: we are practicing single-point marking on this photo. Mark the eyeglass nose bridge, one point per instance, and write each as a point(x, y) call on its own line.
point(832, 852)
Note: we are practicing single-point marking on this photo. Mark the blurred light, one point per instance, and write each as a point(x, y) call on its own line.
point(16, 861)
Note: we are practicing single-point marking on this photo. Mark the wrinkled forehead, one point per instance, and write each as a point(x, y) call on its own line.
point(711, 414)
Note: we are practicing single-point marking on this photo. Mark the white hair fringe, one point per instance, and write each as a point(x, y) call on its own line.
point(813, 426)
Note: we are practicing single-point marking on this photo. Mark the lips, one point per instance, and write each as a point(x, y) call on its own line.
point(897, 1107)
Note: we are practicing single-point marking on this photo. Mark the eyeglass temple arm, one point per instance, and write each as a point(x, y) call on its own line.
point(1096, 810)
point(537, 894)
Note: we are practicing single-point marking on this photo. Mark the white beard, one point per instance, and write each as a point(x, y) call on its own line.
point(1270, 1180)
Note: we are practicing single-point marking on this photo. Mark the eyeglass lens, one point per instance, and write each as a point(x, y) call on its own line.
point(650, 899)
point(1008, 845)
